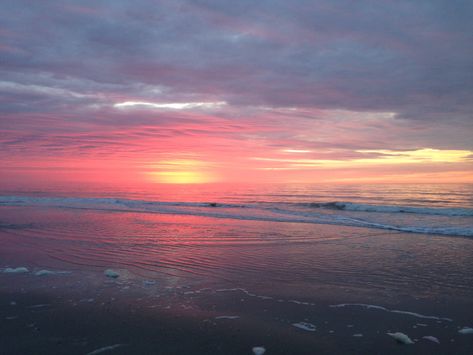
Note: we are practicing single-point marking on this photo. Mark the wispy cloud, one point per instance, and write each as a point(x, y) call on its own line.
point(170, 105)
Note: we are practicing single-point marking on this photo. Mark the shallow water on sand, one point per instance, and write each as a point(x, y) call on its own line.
point(337, 281)
point(236, 251)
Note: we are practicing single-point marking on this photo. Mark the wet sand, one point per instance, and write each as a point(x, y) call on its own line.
point(59, 315)
point(195, 285)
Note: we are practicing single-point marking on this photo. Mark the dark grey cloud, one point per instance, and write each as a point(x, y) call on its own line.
point(413, 58)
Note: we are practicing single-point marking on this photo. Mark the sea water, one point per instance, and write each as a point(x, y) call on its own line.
point(431, 209)
point(326, 256)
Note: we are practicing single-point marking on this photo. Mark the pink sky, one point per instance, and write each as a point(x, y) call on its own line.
point(266, 92)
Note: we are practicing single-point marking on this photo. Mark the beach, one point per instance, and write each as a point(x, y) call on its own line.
point(236, 177)
point(78, 280)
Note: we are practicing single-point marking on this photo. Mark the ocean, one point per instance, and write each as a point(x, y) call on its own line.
point(226, 268)
point(432, 209)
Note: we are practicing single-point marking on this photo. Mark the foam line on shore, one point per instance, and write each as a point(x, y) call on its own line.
point(350, 206)
point(18, 270)
point(381, 308)
point(245, 292)
point(309, 327)
point(45, 272)
point(105, 348)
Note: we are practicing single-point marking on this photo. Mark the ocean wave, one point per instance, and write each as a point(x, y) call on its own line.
point(350, 206)
point(270, 212)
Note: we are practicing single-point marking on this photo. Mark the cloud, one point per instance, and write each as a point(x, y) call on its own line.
point(169, 105)
point(403, 57)
point(314, 77)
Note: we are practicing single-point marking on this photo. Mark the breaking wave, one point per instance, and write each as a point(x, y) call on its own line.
point(349, 206)
point(445, 221)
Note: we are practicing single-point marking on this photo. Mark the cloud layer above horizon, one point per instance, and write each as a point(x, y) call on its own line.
point(244, 88)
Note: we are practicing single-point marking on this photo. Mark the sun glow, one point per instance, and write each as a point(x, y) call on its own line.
point(181, 177)
point(421, 155)
point(381, 157)
point(182, 171)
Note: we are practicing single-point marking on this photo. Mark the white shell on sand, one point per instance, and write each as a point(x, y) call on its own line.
point(111, 273)
point(401, 338)
point(259, 350)
point(18, 270)
point(466, 330)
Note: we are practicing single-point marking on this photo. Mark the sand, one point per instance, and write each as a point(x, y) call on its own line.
point(63, 316)
point(202, 286)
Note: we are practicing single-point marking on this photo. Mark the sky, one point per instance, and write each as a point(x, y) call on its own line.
point(178, 91)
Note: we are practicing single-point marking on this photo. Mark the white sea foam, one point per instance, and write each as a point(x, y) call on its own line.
point(381, 308)
point(50, 272)
point(466, 330)
point(262, 297)
point(421, 315)
point(105, 348)
point(87, 300)
point(111, 273)
point(305, 326)
point(44, 272)
point(227, 317)
point(39, 305)
point(364, 305)
point(431, 338)
point(350, 206)
point(239, 289)
point(301, 302)
point(18, 270)
point(258, 350)
point(401, 338)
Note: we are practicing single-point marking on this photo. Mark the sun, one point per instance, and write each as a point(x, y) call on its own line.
point(181, 177)
point(181, 171)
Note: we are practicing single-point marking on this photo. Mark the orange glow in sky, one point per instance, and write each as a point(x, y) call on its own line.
point(181, 171)
point(222, 92)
